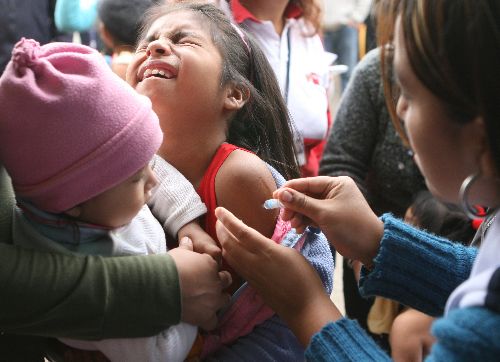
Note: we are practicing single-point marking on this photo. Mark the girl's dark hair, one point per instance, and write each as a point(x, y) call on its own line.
point(263, 124)
point(441, 219)
point(453, 47)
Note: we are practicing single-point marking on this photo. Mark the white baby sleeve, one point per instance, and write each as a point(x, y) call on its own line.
point(171, 345)
point(175, 201)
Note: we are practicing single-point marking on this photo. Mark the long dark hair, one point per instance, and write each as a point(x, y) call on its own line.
point(453, 47)
point(263, 124)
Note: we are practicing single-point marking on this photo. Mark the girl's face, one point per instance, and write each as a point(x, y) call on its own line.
point(178, 67)
point(445, 151)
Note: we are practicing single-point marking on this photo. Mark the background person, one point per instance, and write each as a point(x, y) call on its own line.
point(342, 21)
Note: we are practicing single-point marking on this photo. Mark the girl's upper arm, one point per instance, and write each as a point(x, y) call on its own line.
point(242, 185)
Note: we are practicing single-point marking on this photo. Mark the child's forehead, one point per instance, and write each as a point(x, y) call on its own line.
point(181, 20)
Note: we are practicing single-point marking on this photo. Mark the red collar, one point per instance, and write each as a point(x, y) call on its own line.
point(241, 13)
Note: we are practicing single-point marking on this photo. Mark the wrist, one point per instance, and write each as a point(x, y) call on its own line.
point(373, 244)
point(187, 230)
point(312, 318)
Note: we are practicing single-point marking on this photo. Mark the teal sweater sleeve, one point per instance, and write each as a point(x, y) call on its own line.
point(415, 268)
point(343, 340)
point(86, 297)
point(420, 270)
point(75, 15)
point(469, 334)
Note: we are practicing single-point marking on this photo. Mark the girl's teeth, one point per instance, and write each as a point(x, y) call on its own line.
point(150, 72)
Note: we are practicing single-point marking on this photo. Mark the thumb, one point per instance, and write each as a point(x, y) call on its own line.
point(300, 203)
point(186, 243)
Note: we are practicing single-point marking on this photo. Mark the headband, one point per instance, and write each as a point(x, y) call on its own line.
point(242, 36)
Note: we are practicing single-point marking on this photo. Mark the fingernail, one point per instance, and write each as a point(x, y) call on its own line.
point(286, 196)
point(184, 240)
point(272, 204)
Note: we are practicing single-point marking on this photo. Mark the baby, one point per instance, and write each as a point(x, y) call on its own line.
point(80, 144)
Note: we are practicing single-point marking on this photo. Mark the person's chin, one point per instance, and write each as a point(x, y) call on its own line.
point(147, 90)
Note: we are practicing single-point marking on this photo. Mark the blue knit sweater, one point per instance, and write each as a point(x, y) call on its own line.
point(419, 270)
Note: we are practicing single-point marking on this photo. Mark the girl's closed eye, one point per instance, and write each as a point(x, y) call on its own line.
point(186, 41)
point(184, 38)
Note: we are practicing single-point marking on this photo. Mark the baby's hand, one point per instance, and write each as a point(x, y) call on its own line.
point(202, 242)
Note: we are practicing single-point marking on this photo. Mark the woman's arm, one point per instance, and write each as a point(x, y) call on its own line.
point(344, 340)
point(468, 334)
point(416, 268)
point(86, 297)
point(413, 267)
point(90, 297)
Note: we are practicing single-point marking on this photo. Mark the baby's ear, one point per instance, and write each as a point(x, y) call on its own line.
point(74, 211)
point(236, 97)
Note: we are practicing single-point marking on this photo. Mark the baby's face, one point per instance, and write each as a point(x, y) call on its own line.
point(120, 204)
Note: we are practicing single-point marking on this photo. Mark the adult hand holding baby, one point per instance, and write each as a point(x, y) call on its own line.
point(201, 284)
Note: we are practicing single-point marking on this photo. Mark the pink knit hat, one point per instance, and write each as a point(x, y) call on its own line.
point(69, 127)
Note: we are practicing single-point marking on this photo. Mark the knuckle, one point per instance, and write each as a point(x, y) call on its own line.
point(302, 202)
point(242, 233)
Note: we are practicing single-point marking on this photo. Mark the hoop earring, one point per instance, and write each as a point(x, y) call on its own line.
point(470, 211)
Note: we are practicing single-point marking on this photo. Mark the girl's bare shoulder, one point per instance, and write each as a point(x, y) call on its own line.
point(242, 185)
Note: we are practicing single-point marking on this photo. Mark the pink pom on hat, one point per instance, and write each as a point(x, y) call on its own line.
point(69, 127)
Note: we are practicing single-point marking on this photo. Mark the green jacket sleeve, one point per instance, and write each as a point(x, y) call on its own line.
point(86, 297)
